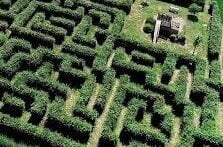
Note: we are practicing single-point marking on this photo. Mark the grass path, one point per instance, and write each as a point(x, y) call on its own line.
point(189, 85)
point(93, 98)
point(174, 77)
point(25, 116)
point(43, 121)
point(142, 27)
point(220, 118)
point(120, 121)
point(206, 76)
point(110, 59)
point(175, 134)
point(147, 118)
point(197, 116)
point(207, 6)
point(70, 102)
point(94, 138)
point(120, 124)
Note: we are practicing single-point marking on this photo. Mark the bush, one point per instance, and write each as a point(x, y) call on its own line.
point(194, 8)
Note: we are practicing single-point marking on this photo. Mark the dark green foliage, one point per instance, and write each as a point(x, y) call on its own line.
point(194, 8)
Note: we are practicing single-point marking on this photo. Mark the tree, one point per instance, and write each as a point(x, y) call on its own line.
point(197, 42)
point(194, 8)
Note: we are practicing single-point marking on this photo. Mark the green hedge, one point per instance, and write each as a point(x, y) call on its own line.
point(215, 37)
point(27, 132)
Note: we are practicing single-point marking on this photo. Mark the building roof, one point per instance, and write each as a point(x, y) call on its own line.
point(169, 21)
point(165, 20)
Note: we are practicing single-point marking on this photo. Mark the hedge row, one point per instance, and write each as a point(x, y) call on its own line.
point(53, 116)
point(62, 12)
point(34, 37)
point(83, 52)
point(206, 133)
point(169, 66)
point(188, 126)
point(12, 105)
point(13, 61)
point(57, 32)
point(33, 134)
point(14, 7)
point(198, 85)
point(73, 127)
point(215, 71)
point(133, 70)
point(64, 23)
point(28, 95)
point(90, 5)
point(137, 101)
point(214, 44)
point(45, 71)
point(187, 3)
point(123, 5)
point(100, 62)
point(143, 59)
point(132, 130)
point(107, 82)
point(100, 18)
point(19, 5)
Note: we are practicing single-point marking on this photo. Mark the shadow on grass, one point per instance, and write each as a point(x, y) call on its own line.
point(192, 18)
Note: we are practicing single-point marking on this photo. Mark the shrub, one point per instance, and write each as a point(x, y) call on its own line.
point(194, 8)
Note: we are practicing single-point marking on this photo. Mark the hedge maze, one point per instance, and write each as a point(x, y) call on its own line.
point(68, 78)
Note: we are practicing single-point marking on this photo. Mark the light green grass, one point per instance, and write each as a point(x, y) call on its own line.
point(134, 23)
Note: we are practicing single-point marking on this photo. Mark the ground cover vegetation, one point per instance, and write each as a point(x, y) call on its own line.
point(79, 73)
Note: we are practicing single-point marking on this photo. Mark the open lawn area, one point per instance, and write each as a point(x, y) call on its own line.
point(134, 23)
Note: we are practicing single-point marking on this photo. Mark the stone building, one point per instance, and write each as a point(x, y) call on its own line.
point(167, 25)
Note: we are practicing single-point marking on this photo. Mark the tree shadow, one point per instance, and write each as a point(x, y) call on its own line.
point(193, 18)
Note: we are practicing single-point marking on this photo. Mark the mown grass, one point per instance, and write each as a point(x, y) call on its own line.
point(220, 2)
point(134, 23)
